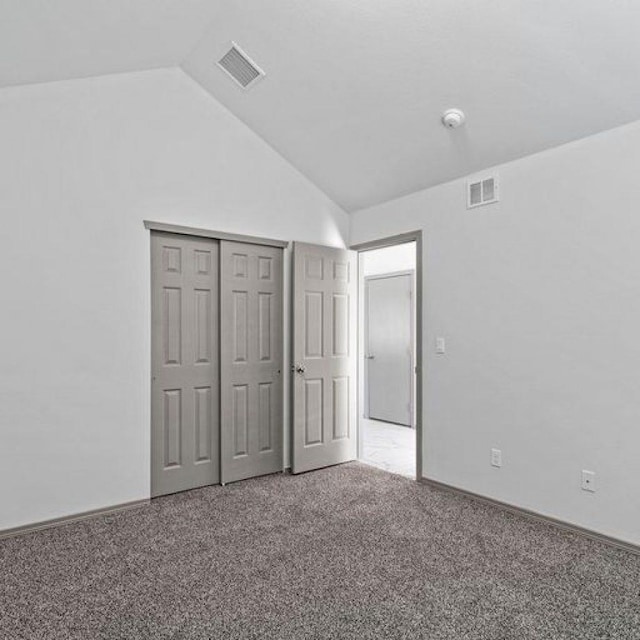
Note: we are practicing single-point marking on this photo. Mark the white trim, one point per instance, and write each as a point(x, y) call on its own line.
point(534, 515)
point(76, 517)
point(216, 235)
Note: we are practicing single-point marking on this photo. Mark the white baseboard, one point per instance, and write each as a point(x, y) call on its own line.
point(77, 517)
point(533, 515)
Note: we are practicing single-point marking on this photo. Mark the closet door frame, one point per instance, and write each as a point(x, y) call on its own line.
point(216, 235)
point(240, 238)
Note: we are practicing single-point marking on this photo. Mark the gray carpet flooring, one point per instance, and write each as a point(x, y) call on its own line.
point(346, 552)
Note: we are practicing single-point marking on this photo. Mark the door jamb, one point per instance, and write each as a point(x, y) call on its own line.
point(390, 241)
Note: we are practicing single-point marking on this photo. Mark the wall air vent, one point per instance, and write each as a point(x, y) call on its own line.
point(240, 67)
point(481, 192)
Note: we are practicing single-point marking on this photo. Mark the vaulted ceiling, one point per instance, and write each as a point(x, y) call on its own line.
point(45, 40)
point(355, 90)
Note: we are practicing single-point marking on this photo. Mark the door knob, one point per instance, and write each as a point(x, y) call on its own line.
point(370, 357)
point(299, 368)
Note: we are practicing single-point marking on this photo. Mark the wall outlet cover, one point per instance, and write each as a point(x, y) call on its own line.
point(588, 481)
point(496, 458)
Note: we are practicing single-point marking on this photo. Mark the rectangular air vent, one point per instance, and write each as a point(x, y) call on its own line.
point(240, 67)
point(481, 192)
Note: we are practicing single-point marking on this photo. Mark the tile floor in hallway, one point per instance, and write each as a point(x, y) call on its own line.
point(389, 446)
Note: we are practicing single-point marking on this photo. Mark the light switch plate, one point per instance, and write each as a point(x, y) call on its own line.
point(441, 345)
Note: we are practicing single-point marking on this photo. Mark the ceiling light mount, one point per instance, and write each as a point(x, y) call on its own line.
point(453, 118)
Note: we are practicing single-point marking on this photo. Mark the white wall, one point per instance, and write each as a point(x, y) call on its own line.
point(82, 163)
point(401, 257)
point(539, 300)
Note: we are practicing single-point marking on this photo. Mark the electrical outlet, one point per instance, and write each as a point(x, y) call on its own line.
point(588, 481)
point(496, 458)
point(441, 346)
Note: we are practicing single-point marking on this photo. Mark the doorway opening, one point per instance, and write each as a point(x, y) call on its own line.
point(389, 397)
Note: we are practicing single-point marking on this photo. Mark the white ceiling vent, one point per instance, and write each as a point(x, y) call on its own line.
point(240, 67)
point(481, 192)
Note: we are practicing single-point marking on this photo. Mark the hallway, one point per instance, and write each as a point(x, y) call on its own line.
point(390, 447)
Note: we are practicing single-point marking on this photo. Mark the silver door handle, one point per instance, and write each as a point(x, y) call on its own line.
point(299, 368)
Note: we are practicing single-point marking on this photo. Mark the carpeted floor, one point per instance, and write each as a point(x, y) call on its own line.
point(347, 552)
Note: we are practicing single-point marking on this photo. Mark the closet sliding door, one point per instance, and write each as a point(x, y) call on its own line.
point(184, 363)
point(216, 359)
point(251, 430)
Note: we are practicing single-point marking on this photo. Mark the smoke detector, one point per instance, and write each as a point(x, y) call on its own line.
point(453, 118)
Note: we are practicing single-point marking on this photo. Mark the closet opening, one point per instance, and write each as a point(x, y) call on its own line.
point(216, 358)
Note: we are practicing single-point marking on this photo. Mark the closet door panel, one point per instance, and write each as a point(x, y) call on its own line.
point(250, 360)
point(184, 363)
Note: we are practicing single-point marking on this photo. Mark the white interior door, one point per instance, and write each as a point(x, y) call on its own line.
point(184, 363)
point(251, 360)
point(389, 347)
point(324, 356)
